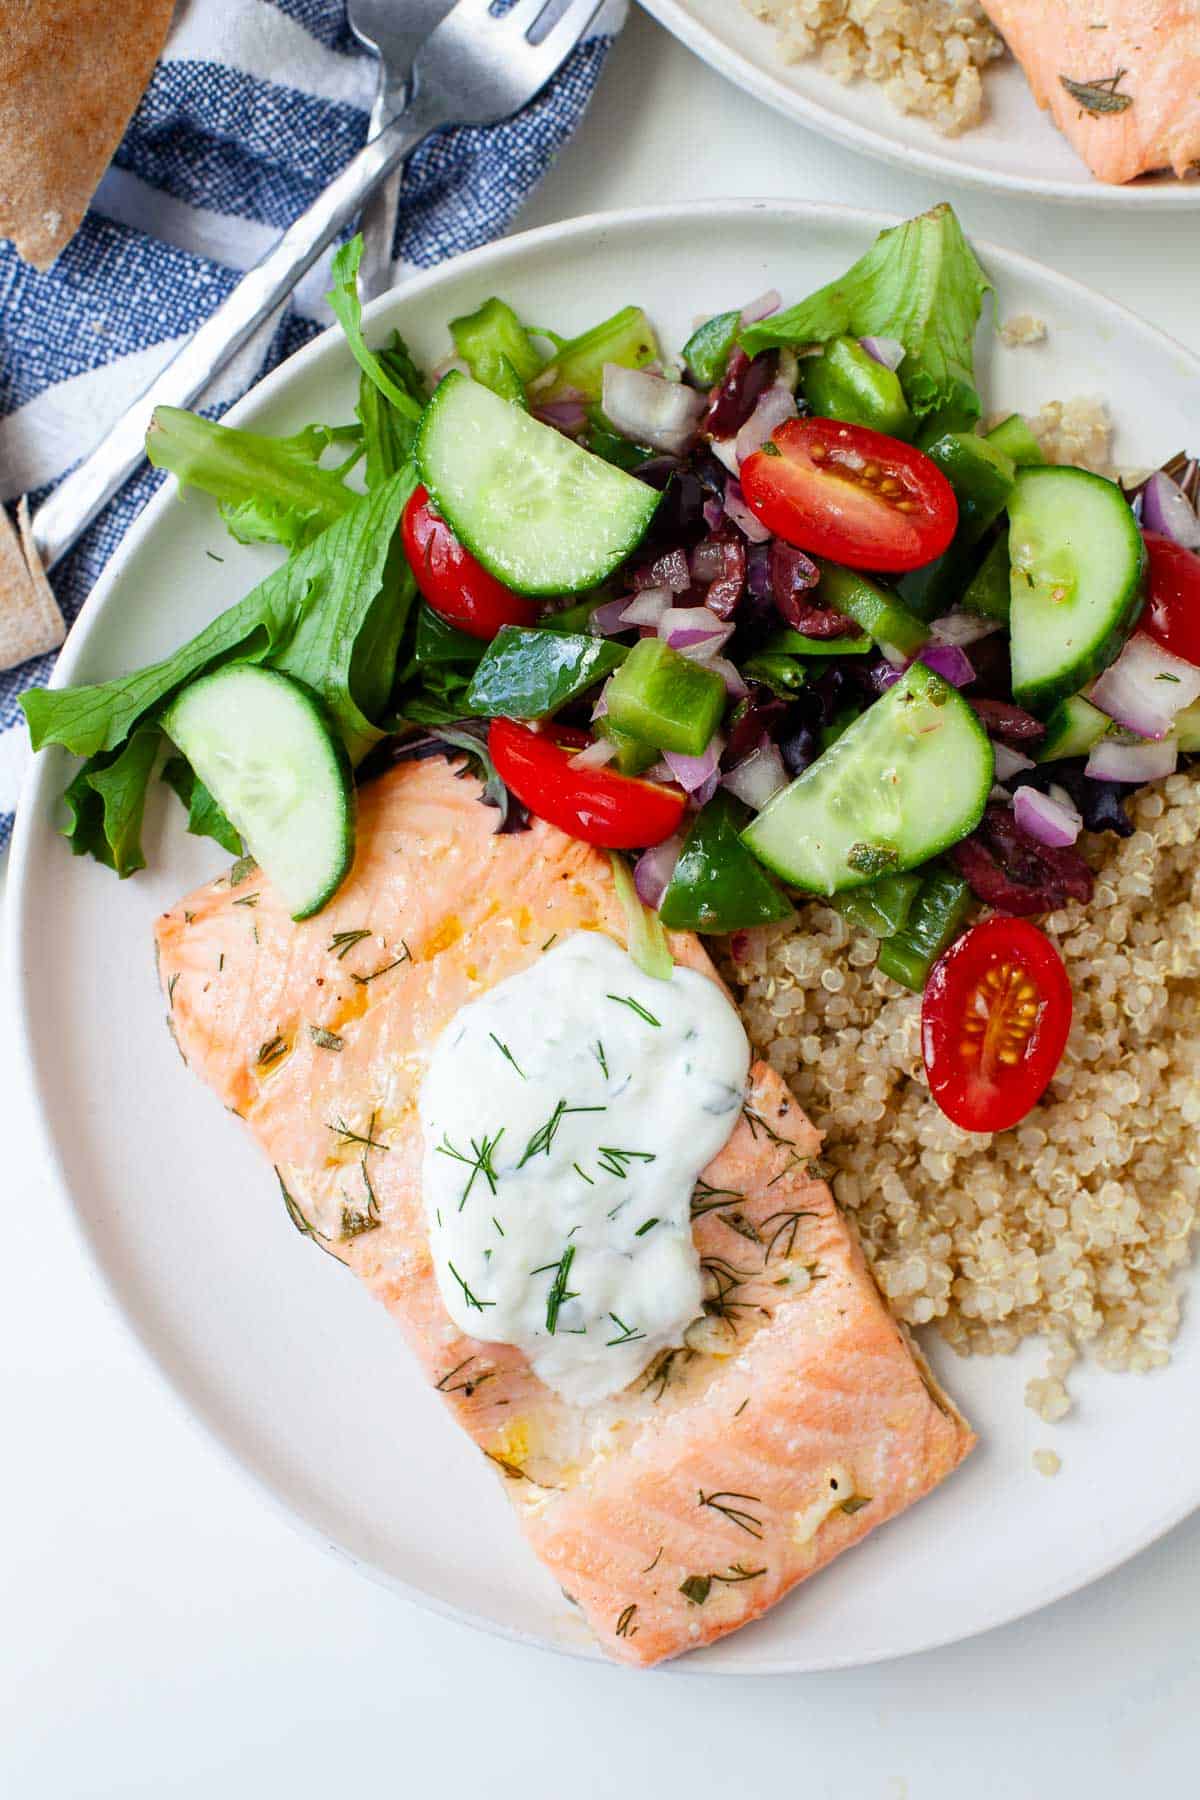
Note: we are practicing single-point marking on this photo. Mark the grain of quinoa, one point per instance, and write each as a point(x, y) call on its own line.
point(1077, 1225)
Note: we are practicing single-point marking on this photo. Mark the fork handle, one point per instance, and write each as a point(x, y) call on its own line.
point(76, 501)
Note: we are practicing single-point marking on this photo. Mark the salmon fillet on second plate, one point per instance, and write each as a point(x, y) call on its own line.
point(794, 1418)
point(1121, 77)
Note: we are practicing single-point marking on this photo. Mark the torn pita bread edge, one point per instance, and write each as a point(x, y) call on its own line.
point(30, 620)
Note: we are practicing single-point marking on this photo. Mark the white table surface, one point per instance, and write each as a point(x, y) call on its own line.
point(163, 1632)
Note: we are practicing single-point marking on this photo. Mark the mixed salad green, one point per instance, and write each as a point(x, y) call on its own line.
point(779, 615)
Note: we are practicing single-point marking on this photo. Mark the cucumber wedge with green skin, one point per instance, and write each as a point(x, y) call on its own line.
point(1077, 581)
point(263, 746)
point(1072, 729)
point(1186, 729)
point(539, 513)
point(907, 779)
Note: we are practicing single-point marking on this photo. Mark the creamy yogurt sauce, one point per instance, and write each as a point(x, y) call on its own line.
point(566, 1115)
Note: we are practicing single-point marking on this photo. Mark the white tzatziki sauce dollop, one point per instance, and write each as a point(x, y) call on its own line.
point(567, 1114)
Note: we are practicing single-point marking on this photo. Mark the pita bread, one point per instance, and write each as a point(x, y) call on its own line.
point(71, 74)
point(30, 621)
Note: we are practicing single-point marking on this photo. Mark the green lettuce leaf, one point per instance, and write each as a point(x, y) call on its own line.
point(106, 801)
point(387, 433)
point(321, 598)
point(920, 283)
point(347, 310)
point(270, 489)
point(205, 818)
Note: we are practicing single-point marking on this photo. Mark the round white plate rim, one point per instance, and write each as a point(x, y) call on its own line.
point(21, 902)
point(675, 17)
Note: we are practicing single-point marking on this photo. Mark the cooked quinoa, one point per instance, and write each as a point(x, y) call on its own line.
point(1074, 1227)
point(925, 54)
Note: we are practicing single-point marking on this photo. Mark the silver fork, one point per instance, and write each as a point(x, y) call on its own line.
point(394, 30)
point(475, 69)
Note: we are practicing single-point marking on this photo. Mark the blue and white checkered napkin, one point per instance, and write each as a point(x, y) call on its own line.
point(254, 107)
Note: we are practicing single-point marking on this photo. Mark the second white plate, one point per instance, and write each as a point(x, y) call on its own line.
point(1017, 149)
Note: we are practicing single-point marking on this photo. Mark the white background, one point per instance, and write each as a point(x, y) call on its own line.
point(163, 1632)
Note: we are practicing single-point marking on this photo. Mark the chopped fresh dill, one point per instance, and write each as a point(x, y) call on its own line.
point(508, 1056)
point(296, 1214)
point(629, 1334)
point(598, 1053)
point(657, 1559)
point(583, 1174)
point(342, 1130)
point(559, 1293)
point(365, 980)
point(171, 988)
point(271, 1051)
point(248, 900)
point(213, 557)
point(549, 941)
point(720, 1502)
point(785, 1232)
point(325, 1040)
point(220, 962)
point(757, 1123)
point(468, 1296)
point(539, 1144)
point(737, 1221)
point(448, 1385)
point(241, 871)
point(354, 1220)
point(741, 1409)
point(708, 1199)
point(643, 1229)
point(625, 1624)
point(344, 941)
point(634, 1006)
point(498, 1225)
point(616, 1162)
point(696, 1588)
point(479, 1164)
point(664, 1369)
point(738, 1572)
point(855, 1503)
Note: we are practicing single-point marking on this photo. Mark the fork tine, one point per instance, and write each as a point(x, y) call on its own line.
point(524, 15)
point(542, 60)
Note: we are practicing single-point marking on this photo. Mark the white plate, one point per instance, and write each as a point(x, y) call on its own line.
point(1017, 148)
point(303, 1379)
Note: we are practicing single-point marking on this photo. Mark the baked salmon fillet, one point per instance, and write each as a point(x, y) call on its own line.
point(796, 1417)
point(1121, 77)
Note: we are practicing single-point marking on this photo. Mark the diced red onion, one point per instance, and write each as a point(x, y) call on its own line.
point(593, 755)
point(567, 416)
point(649, 607)
point(885, 350)
point(713, 512)
point(1046, 818)
point(705, 791)
point(654, 868)
point(725, 451)
point(719, 564)
point(669, 570)
point(948, 661)
point(1114, 760)
point(692, 639)
point(775, 404)
point(1000, 795)
point(650, 410)
point(1166, 508)
point(1145, 687)
point(684, 627)
point(601, 706)
point(1010, 762)
point(963, 628)
point(763, 307)
point(608, 620)
point(884, 678)
point(735, 687)
point(743, 518)
point(691, 772)
point(758, 777)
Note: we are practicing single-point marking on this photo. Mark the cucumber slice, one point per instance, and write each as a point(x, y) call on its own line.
point(1077, 560)
point(262, 745)
point(1072, 729)
point(1186, 729)
point(542, 515)
point(909, 777)
point(1013, 436)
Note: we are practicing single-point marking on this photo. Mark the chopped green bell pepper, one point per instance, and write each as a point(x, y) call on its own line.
point(874, 609)
point(798, 643)
point(530, 674)
point(981, 475)
point(578, 363)
point(782, 674)
point(937, 915)
point(662, 698)
point(497, 349)
point(633, 756)
point(436, 642)
point(1013, 436)
point(882, 907)
point(707, 350)
point(718, 885)
point(1076, 725)
point(845, 383)
point(989, 591)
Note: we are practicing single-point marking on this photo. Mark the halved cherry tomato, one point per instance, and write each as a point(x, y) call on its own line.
point(458, 588)
point(1172, 614)
point(851, 494)
point(994, 1023)
point(599, 806)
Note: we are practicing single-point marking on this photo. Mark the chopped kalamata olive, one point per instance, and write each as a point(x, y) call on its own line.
point(1011, 871)
point(1011, 724)
point(733, 398)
